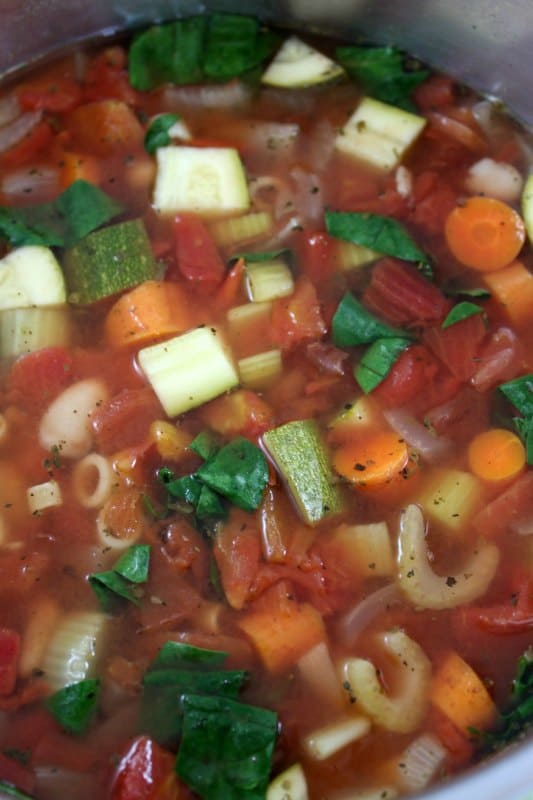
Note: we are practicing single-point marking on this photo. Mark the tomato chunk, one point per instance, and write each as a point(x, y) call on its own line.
point(197, 255)
point(9, 653)
point(145, 772)
point(37, 378)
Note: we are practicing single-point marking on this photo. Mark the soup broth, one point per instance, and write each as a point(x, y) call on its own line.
point(266, 421)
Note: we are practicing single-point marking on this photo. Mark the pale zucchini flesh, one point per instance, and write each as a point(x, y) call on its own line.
point(189, 369)
point(24, 330)
point(31, 276)
point(379, 134)
point(268, 280)
point(301, 457)
point(207, 180)
point(297, 64)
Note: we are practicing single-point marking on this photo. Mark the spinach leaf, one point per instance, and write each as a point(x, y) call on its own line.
point(74, 706)
point(206, 444)
point(219, 47)
point(519, 392)
point(473, 291)
point(168, 53)
point(178, 655)
point(8, 790)
point(378, 360)
point(235, 45)
point(226, 748)
point(382, 72)
point(460, 312)
point(239, 472)
point(384, 234)
point(354, 325)
point(158, 134)
point(79, 210)
point(131, 568)
point(519, 716)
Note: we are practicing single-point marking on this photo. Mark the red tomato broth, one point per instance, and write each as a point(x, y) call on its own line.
point(267, 561)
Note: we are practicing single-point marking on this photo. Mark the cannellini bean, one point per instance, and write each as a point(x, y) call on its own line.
point(423, 587)
point(66, 422)
point(494, 179)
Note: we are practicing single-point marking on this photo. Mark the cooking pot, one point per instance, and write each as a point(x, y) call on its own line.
point(486, 43)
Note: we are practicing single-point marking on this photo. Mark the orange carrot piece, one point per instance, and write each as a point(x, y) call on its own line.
point(149, 311)
point(372, 462)
point(496, 455)
point(283, 636)
point(461, 695)
point(485, 234)
point(513, 288)
point(75, 167)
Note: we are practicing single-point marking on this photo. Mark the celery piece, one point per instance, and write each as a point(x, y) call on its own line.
point(379, 134)
point(300, 456)
point(24, 330)
point(268, 280)
point(189, 369)
point(258, 371)
point(239, 230)
point(201, 179)
point(108, 261)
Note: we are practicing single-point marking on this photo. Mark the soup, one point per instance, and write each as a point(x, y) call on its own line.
point(266, 421)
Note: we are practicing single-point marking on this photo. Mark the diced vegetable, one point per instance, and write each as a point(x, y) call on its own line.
point(240, 230)
point(374, 461)
point(108, 261)
point(378, 360)
point(461, 694)
point(189, 370)
point(9, 658)
point(301, 457)
point(325, 742)
point(75, 651)
point(365, 549)
point(485, 234)
point(268, 280)
point(288, 785)
point(379, 134)
point(206, 180)
point(145, 771)
point(31, 276)
point(496, 455)
point(512, 286)
point(451, 497)
point(353, 256)
point(382, 234)
point(260, 370)
point(355, 417)
point(29, 330)
point(161, 130)
point(43, 496)
point(130, 570)
point(298, 64)
point(527, 206)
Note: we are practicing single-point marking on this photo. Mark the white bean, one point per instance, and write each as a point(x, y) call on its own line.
point(66, 422)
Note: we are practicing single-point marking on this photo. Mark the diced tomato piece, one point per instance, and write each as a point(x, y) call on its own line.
point(237, 551)
point(241, 413)
point(507, 510)
point(55, 94)
point(459, 345)
point(65, 751)
point(145, 772)
point(197, 255)
point(105, 127)
point(123, 421)
point(37, 378)
point(356, 191)
point(433, 200)
point(461, 417)
point(435, 92)
point(29, 146)
point(297, 318)
point(413, 376)
point(328, 358)
point(316, 252)
point(107, 77)
point(460, 748)
point(512, 617)
point(399, 293)
point(15, 773)
point(9, 653)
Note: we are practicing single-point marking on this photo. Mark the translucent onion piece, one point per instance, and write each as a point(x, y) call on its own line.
point(53, 782)
point(308, 195)
point(39, 184)
point(357, 618)
point(271, 193)
point(9, 109)
point(420, 762)
point(404, 710)
point(319, 673)
point(228, 95)
point(423, 587)
point(432, 448)
point(14, 131)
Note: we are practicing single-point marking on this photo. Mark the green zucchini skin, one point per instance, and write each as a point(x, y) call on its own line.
point(301, 457)
point(108, 261)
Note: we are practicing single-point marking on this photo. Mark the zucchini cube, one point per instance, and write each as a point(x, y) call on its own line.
point(379, 134)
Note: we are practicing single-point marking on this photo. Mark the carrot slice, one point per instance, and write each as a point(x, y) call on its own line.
point(496, 455)
point(150, 311)
point(461, 694)
point(485, 234)
point(372, 462)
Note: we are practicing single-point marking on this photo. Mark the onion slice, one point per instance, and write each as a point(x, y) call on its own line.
point(354, 621)
point(14, 131)
point(431, 448)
